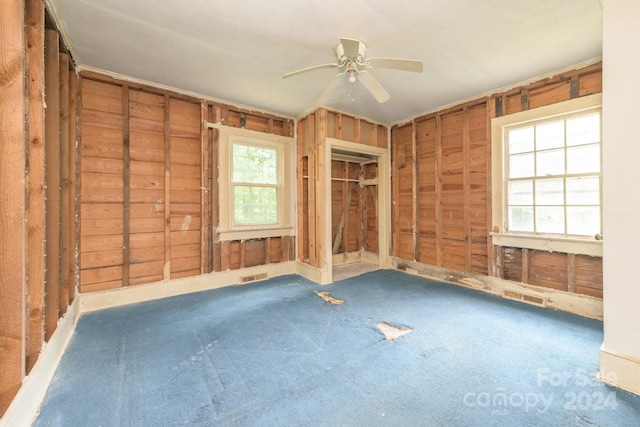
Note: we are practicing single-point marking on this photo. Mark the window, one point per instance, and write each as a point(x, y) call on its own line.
point(547, 177)
point(255, 183)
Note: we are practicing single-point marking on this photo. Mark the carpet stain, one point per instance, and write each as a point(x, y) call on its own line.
point(326, 296)
point(392, 332)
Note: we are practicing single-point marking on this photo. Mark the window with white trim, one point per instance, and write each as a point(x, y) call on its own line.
point(257, 191)
point(547, 177)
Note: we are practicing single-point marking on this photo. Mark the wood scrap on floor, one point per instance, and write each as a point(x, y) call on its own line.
point(325, 295)
point(392, 332)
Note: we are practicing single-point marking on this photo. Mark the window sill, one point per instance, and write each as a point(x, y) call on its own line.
point(576, 246)
point(254, 233)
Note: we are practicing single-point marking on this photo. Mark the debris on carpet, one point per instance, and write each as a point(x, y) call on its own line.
point(325, 295)
point(391, 332)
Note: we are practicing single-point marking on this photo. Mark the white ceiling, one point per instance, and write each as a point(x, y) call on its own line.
point(237, 50)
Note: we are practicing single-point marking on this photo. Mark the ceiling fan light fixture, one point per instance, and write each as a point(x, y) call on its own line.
point(352, 60)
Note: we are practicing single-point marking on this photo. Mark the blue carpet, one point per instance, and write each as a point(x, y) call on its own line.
point(274, 353)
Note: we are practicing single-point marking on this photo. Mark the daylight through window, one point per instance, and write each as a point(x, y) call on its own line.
point(553, 175)
point(255, 184)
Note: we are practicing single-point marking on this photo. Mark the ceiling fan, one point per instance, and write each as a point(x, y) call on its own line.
point(353, 63)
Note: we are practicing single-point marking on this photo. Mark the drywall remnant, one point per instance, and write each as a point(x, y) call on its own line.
point(325, 295)
point(392, 332)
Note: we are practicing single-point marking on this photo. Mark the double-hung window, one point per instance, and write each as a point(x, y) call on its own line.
point(547, 177)
point(256, 183)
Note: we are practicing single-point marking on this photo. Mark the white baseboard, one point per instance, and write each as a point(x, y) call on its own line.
point(322, 277)
point(167, 288)
point(620, 371)
point(583, 305)
point(26, 403)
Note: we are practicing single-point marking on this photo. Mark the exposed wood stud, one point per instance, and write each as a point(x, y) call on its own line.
point(204, 151)
point(300, 206)
point(12, 199)
point(74, 202)
point(312, 140)
point(34, 197)
point(466, 188)
point(126, 189)
point(415, 189)
point(243, 253)
point(321, 134)
point(395, 190)
point(525, 265)
point(491, 256)
point(52, 153)
point(215, 207)
point(438, 195)
point(166, 271)
point(65, 214)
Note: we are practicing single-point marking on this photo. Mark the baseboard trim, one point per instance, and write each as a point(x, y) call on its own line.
point(619, 371)
point(583, 305)
point(167, 288)
point(321, 277)
point(26, 403)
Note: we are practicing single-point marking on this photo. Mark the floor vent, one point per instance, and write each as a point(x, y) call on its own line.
point(255, 277)
point(531, 299)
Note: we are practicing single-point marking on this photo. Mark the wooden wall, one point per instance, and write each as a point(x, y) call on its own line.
point(441, 185)
point(361, 220)
point(148, 174)
point(37, 190)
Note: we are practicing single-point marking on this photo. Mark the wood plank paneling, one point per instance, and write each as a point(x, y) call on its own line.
point(452, 203)
point(102, 211)
point(185, 157)
point(52, 153)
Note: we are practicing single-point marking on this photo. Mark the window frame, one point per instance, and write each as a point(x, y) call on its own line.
point(228, 229)
point(587, 245)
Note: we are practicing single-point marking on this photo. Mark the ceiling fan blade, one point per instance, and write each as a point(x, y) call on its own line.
point(351, 47)
point(372, 85)
point(306, 70)
point(333, 84)
point(397, 64)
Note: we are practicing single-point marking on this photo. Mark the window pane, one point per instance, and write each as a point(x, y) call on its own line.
point(583, 129)
point(550, 191)
point(583, 159)
point(550, 219)
point(583, 190)
point(520, 140)
point(255, 205)
point(550, 135)
point(254, 164)
point(521, 218)
point(550, 163)
point(583, 220)
point(520, 193)
point(521, 165)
